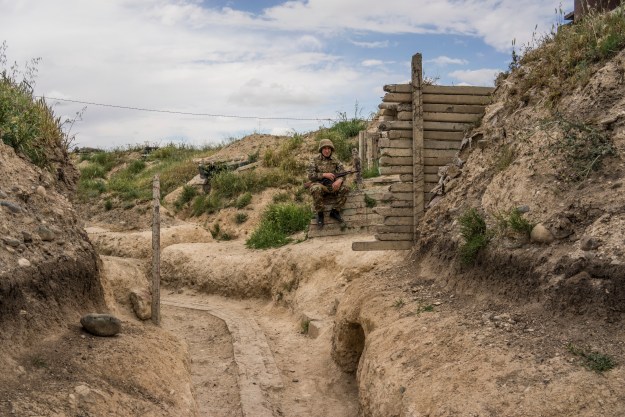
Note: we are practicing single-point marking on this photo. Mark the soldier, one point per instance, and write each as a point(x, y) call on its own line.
point(322, 169)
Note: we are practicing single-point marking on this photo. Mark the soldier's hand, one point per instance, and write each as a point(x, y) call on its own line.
point(328, 175)
point(337, 184)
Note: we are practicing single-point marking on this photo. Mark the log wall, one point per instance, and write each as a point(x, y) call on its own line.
point(421, 128)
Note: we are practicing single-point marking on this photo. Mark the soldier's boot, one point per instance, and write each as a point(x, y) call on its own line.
point(334, 213)
point(320, 218)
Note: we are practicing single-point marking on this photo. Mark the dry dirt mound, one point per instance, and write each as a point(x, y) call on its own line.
point(541, 160)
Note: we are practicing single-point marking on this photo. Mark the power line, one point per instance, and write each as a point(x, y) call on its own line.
point(187, 113)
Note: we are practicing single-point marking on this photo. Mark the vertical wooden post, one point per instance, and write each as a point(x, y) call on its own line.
point(156, 252)
point(362, 146)
point(417, 143)
point(357, 167)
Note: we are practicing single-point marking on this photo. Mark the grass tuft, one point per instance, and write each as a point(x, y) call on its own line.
point(475, 234)
point(277, 223)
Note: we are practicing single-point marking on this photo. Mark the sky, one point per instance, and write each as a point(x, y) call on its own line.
point(205, 71)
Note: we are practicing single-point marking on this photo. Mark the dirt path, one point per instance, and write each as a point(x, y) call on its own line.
point(280, 372)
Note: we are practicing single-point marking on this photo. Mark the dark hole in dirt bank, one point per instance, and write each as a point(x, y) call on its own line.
point(347, 345)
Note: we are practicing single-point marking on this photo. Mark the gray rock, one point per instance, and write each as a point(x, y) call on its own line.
point(589, 243)
point(141, 303)
point(11, 242)
point(101, 324)
point(28, 238)
point(14, 208)
point(540, 234)
point(523, 209)
point(3, 194)
point(45, 233)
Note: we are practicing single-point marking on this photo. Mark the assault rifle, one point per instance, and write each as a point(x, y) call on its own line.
point(326, 182)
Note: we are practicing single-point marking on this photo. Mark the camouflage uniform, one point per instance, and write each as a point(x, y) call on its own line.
point(318, 165)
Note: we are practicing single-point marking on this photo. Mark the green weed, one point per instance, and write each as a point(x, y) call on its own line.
point(594, 361)
point(475, 234)
point(188, 194)
point(304, 326)
point(240, 218)
point(277, 223)
point(399, 303)
point(513, 220)
point(371, 172)
point(370, 201)
point(243, 200)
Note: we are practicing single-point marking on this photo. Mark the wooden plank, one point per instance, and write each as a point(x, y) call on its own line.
point(395, 143)
point(389, 106)
point(402, 203)
point(394, 236)
point(396, 152)
point(394, 229)
point(406, 115)
point(398, 88)
point(406, 169)
point(430, 185)
point(457, 90)
point(454, 108)
point(393, 212)
point(156, 251)
point(449, 117)
point(458, 127)
point(431, 178)
point(400, 134)
point(441, 135)
point(401, 196)
point(388, 245)
point(438, 161)
point(406, 178)
point(455, 99)
point(434, 153)
point(387, 112)
point(397, 97)
point(386, 118)
point(401, 187)
point(442, 144)
point(396, 220)
point(396, 125)
point(395, 161)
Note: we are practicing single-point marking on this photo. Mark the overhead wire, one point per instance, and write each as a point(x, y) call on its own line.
point(187, 113)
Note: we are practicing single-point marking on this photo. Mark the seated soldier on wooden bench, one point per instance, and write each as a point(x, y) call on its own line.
point(322, 172)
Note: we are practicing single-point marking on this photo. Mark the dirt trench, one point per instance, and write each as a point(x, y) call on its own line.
point(260, 345)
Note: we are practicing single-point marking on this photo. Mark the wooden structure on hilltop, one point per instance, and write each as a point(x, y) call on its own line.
point(581, 7)
point(421, 129)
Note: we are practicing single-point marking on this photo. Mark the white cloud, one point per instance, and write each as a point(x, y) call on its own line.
point(380, 44)
point(372, 63)
point(443, 60)
point(481, 77)
point(182, 56)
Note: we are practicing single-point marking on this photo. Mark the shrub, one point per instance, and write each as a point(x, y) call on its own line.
point(514, 220)
point(136, 166)
point(281, 197)
point(279, 221)
point(92, 171)
point(208, 204)
point(188, 193)
point(370, 201)
point(593, 360)
point(565, 58)
point(243, 200)
point(108, 204)
point(371, 172)
point(475, 234)
point(240, 218)
point(27, 124)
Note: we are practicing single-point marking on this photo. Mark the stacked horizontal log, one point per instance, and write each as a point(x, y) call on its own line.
point(448, 111)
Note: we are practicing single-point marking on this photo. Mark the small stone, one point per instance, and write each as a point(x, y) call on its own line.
point(540, 234)
point(23, 262)
point(523, 209)
point(11, 242)
point(28, 238)
point(3, 194)
point(101, 324)
point(45, 233)
point(14, 208)
point(41, 191)
point(589, 243)
point(141, 303)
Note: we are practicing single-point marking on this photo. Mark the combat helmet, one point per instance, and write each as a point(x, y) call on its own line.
point(326, 142)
